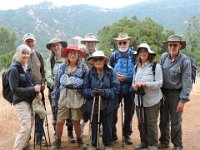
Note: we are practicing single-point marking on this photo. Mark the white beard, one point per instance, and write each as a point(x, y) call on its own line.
point(123, 49)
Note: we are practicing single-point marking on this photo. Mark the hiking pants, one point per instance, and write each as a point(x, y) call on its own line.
point(168, 113)
point(26, 118)
point(129, 107)
point(150, 137)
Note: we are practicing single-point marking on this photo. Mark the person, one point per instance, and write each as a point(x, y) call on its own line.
point(151, 81)
point(101, 81)
point(123, 61)
point(90, 41)
point(24, 91)
point(177, 86)
point(69, 77)
point(55, 46)
point(36, 64)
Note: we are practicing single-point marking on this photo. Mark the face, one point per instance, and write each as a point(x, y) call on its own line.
point(56, 49)
point(123, 45)
point(143, 54)
point(73, 56)
point(30, 43)
point(98, 62)
point(24, 57)
point(90, 46)
point(174, 48)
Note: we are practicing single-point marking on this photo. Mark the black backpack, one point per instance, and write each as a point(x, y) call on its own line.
point(6, 91)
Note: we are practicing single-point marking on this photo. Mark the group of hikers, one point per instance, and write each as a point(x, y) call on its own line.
point(88, 86)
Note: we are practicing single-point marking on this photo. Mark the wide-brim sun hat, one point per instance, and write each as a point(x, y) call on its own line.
point(145, 46)
point(54, 41)
point(97, 54)
point(122, 36)
point(175, 38)
point(89, 38)
point(74, 48)
point(28, 36)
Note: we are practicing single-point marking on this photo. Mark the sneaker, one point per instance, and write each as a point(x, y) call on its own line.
point(81, 144)
point(108, 148)
point(162, 145)
point(128, 140)
point(141, 146)
point(71, 137)
point(56, 144)
point(153, 147)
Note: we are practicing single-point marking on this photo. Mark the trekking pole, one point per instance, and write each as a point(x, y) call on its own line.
point(122, 115)
point(34, 137)
point(91, 119)
point(98, 125)
point(46, 124)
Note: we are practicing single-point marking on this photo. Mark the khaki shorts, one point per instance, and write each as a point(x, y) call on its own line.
point(65, 113)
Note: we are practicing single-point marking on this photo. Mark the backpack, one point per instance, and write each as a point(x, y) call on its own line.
point(6, 91)
point(192, 62)
point(153, 69)
point(132, 56)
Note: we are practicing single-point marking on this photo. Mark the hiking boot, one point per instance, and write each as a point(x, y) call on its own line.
point(71, 137)
point(141, 146)
point(108, 148)
point(128, 140)
point(56, 144)
point(114, 137)
point(43, 142)
point(162, 145)
point(153, 147)
point(177, 148)
point(81, 144)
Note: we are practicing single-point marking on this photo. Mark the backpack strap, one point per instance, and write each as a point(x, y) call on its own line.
point(154, 70)
point(164, 56)
point(42, 65)
point(52, 61)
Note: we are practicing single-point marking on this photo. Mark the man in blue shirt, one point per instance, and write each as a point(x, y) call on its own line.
point(123, 61)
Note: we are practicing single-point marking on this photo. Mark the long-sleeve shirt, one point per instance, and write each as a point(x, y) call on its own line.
point(177, 75)
point(153, 93)
point(50, 74)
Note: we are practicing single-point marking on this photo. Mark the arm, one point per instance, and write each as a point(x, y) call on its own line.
point(112, 60)
point(14, 85)
point(158, 79)
point(186, 81)
point(49, 74)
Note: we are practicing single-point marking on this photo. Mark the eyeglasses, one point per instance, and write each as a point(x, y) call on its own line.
point(124, 43)
point(173, 45)
point(95, 59)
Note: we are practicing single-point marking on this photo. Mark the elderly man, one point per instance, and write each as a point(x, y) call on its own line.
point(37, 66)
point(123, 61)
point(90, 42)
point(177, 86)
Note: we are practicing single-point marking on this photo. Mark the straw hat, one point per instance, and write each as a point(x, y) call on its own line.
point(89, 38)
point(56, 40)
point(74, 48)
point(122, 36)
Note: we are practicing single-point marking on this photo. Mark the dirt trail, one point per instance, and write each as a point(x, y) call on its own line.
point(9, 126)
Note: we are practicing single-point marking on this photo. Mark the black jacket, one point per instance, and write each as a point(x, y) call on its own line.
point(21, 84)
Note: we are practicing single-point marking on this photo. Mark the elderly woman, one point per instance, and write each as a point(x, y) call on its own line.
point(55, 46)
point(101, 81)
point(24, 91)
point(148, 76)
point(69, 78)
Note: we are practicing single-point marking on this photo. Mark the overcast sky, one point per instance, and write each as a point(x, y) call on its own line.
point(14, 4)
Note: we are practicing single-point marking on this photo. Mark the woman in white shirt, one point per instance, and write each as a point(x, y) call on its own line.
point(148, 76)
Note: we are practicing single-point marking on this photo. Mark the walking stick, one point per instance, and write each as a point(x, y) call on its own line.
point(46, 124)
point(91, 119)
point(122, 115)
point(98, 126)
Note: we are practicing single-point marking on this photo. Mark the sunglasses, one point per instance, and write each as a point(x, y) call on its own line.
point(173, 45)
point(124, 43)
point(95, 59)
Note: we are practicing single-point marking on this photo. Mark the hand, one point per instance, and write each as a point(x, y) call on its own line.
point(135, 87)
point(37, 88)
point(101, 92)
point(121, 77)
point(42, 86)
point(180, 106)
point(94, 93)
point(139, 84)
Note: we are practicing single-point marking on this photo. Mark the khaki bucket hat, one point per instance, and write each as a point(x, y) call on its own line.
point(175, 38)
point(56, 40)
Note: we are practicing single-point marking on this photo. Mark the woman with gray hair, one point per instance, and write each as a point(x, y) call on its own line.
point(147, 82)
point(24, 91)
